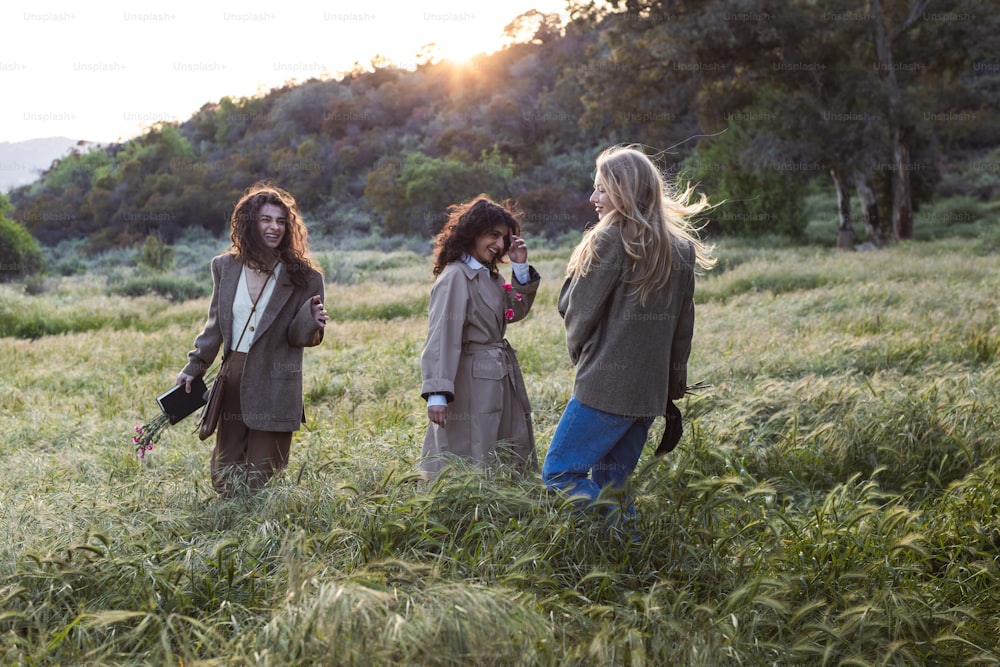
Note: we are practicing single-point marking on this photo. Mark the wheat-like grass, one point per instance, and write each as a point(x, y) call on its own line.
point(833, 500)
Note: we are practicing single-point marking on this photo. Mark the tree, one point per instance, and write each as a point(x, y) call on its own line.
point(757, 200)
point(413, 195)
point(533, 26)
point(825, 73)
point(19, 253)
point(899, 131)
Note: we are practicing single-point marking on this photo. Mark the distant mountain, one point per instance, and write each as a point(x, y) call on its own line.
point(22, 162)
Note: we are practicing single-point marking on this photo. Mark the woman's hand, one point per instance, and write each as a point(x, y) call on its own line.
point(185, 379)
point(518, 250)
point(319, 311)
point(438, 414)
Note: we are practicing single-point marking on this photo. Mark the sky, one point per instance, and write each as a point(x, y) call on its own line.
point(104, 72)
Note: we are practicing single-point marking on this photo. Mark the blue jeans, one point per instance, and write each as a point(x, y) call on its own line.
point(592, 450)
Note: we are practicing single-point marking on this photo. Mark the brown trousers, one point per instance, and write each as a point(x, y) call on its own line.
point(244, 458)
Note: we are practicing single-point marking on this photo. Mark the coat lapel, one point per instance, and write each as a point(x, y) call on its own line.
point(488, 298)
point(489, 293)
point(283, 290)
point(229, 282)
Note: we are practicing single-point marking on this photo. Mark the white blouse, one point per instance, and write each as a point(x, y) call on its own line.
point(244, 314)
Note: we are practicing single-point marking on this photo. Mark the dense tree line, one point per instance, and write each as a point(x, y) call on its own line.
point(753, 99)
point(859, 92)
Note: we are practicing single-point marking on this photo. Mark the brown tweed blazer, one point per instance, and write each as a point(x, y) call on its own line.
point(629, 359)
point(271, 390)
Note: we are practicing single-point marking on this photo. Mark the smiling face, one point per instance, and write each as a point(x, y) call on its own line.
point(600, 199)
point(271, 225)
point(489, 246)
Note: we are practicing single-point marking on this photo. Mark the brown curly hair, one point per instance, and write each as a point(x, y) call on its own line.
point(466, 222)
point(293, 252)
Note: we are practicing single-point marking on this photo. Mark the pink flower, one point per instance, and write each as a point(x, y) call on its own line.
point(146, 435)
point(508, 286)
point(509, 314)
point(517, 296)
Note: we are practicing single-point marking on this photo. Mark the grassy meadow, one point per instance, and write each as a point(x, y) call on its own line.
point(835, 499)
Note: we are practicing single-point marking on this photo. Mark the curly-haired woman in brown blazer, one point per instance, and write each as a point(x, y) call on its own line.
point(267, 305)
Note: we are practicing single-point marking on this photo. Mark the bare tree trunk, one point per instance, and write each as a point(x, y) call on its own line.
point(902, 197)
point(845, 228)
point(902, 211)
point(869, 207)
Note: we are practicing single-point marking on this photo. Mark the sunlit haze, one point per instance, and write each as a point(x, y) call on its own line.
point(105, 72)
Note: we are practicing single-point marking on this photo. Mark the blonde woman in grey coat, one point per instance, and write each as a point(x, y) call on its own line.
point(628, 308)
point(477, 404)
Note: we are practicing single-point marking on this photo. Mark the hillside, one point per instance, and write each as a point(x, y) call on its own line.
point(756, 109)
point(23, 162)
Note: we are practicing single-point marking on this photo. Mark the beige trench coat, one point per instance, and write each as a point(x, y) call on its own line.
point(467, 358)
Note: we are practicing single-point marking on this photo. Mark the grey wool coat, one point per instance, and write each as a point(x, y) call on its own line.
point(271, 389)
point(467, 359)
point(630, 359)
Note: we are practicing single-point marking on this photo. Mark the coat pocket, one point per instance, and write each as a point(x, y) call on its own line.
point(285, 390)
point(488, 373)
point(488, 365)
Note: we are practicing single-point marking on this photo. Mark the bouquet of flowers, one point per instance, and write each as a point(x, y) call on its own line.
point(149, 433)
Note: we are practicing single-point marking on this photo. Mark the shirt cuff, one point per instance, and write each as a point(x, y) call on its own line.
point(521, 272)
point(436, 399)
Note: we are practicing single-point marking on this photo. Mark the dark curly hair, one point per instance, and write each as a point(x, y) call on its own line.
point(248, 245)
point(466, 222)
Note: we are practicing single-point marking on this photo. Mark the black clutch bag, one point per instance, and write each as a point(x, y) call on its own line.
point(177, 404)
point(672, 430)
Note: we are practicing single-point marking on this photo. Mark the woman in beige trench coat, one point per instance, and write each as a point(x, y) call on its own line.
point(477, 403)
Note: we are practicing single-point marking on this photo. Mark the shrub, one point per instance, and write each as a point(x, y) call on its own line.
point(175, 289)
point(34, 285)
point(753, 198)
point(19, 252)
point(156, 255)
point(977, 177)
point(954, 211)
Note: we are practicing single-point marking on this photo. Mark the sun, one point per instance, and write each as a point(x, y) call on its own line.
point(461, 43)
point(463, 48)
point(458, 48)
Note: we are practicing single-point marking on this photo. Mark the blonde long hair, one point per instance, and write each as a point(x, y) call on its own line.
point(648, 214)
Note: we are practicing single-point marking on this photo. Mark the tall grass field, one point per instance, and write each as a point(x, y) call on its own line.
point(835, 498)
